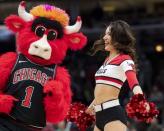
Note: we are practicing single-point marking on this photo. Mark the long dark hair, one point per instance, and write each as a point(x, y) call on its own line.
point(123, 40)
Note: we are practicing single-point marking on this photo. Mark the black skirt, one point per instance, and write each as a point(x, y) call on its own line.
point(110, 114)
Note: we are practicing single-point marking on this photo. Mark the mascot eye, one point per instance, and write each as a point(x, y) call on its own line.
point(39, 31)
point(52, 34)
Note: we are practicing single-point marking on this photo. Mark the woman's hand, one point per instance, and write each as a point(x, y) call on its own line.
point(79, 114)
point(90, 110)
point(147, 106)
point(140, 109)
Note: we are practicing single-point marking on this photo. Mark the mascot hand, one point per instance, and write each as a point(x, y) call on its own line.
point(53, 89)
point(6, 103)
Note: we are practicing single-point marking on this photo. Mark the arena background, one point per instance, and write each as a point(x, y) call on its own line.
point(147, 20)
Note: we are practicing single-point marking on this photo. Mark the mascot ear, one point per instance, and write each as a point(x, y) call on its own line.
point(15, 23)
point(76, 41)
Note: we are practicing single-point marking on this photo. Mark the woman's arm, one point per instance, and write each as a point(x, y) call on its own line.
point(133, 82)
point(138, 107)
point(129, 69)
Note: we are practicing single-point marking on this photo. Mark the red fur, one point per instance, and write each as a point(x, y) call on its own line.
point(63, 76)
point(76, 41)
point(14, 23)
point(6, 103)
point(58, 102)
point(7, 62)
point(59, 46)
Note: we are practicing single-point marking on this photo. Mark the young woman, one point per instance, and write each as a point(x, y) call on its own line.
point(118, 67)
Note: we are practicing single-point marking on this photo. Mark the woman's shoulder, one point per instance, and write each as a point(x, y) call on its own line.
point(121, 58)
point(125, 57)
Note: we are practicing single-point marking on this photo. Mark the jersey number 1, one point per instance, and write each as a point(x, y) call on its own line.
point(27, 100)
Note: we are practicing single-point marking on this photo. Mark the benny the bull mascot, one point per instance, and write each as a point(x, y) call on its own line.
point(34, 89)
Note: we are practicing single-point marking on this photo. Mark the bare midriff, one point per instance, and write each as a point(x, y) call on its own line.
point(105, 93)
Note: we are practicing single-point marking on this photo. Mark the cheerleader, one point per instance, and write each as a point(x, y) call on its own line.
point(119, 66)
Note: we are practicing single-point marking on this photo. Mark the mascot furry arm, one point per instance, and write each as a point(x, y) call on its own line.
point(6, 64)
point(43, 38)
point(58, 95)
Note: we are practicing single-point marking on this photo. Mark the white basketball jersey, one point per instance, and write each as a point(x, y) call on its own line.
point(113, 72)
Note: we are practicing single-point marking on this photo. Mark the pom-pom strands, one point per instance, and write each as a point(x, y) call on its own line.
point(77, 115)
point(141, 110)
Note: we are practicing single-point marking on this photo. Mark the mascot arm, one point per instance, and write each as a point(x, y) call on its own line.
point(58, 96)
point(7, 62)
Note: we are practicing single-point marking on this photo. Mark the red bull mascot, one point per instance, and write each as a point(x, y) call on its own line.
point(34, 89)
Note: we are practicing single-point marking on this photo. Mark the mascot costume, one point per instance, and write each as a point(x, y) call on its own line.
point(34, 89)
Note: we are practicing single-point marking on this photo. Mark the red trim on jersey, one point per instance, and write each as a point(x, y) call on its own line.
point(131, 78)
point(118, 60)
point(109, 79)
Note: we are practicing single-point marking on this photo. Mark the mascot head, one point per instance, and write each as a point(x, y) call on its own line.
point(44, 34)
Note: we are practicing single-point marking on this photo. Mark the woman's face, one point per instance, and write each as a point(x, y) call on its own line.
point(108, 40)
